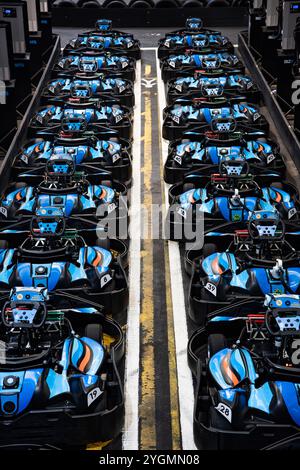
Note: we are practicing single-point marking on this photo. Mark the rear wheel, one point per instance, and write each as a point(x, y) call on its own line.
point(94, 331)
point(106, 183)
point(187, 187)
point(209, 249)
point(3, 244)
point(216, 343)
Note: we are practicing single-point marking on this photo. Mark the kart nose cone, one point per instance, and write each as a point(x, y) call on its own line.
point(10, 382)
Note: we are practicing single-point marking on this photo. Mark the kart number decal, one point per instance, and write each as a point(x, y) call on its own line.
point(249, 85)
point(256, 116)
point(178, 87)
point(172, 64)
point(39, 119)
point(111, 207)
point(211, 288)
point(129, 44)
point(93, 395)
point(182, 212)
point(3, 211)
point(225, 411)
point(119, 118)
point(176, 119)
point(124, 64)
point(292, 212)
point(121, 88)
point(178, 159)
point(167, 43)
point(24, 158)
point(235, 60)
point(116, 157)
point(296, 354)
point(105, 280)
point(270, 158)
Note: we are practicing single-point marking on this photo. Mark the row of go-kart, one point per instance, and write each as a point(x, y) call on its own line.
point(63, 282)
point(229, 188)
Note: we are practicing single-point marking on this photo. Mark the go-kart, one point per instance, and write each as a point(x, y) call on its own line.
point(116, 45)
point(246, 365)
point(202, 116)
point(265, 239)
point(103, 114)
point(114, 87)
point(61, 261)
point(177, 65)
point(214, 85)
point(194, 152)
point(60, 383)
point(221, 278)
point(85, 205)
point(224, 202)
point(88, 65)
point(193, 36)
point(103, 37)
point(87, 153)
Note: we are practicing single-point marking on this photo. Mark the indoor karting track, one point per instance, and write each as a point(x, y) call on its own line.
point(158, 382)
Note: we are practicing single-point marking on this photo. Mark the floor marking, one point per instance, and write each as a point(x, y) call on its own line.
point(184, 376)
point(131, 382)
point(147, 380)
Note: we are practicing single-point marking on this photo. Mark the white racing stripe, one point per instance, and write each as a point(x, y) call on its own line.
point(184, 376)
point(131, 383)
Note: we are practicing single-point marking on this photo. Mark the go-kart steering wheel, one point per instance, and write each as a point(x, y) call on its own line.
point(265, 225)
point(23, 314)
point(73, 125)
point(223, 125)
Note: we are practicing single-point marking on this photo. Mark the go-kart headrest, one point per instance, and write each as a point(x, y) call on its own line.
point(26, 308)
point(103, 25)
point(266, 225)
point(233, 166)
point(211, 89)
point(73, 125)
point(283, 314)
point(194, 24)
point(48, 222)
point(223, 125)
point(81, 91)
point(60, 165)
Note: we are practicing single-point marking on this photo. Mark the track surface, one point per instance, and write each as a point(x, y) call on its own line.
point(158, 383)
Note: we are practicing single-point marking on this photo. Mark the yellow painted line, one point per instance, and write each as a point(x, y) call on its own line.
point(98, 445)
point(174, 401)
point(147, 392)
point(174, 398)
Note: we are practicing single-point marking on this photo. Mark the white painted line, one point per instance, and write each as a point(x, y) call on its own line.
point(131, 384)
point(184, 376)
point(148, 48)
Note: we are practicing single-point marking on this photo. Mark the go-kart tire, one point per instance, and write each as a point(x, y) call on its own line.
point(208, 249)
point(20, 185)
point(187, 187)
point(277, 185)
point(215, 343)
point(94, 331)
point(103, 243)
point(3, 244)
point(217, 421)
point(107, 183)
